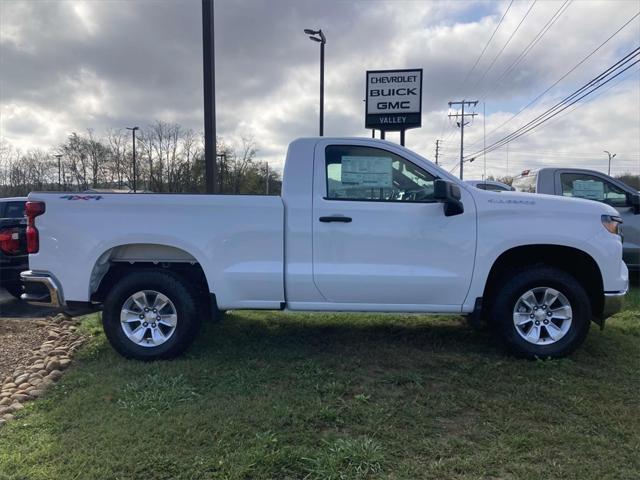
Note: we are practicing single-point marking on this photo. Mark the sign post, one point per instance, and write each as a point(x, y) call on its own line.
point(394, 100)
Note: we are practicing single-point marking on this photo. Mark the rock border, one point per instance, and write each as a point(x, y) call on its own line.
point(45, 366)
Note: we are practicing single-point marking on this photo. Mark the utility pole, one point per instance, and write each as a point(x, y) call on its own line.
point(437, 150)
point(611, 155)
point(59, 156)
point(507, 159)
point(135, 170)
point(209, 71)
point(461, 124)
point(267, 178)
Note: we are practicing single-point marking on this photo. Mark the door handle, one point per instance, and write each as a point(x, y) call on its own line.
point(335, 218)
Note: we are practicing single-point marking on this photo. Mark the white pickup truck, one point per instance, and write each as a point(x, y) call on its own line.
point(362, 225)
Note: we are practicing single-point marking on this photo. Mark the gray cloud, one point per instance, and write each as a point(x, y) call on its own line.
point(71, 65)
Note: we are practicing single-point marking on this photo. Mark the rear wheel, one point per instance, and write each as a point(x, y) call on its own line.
point(150, 315)
point(541, 312)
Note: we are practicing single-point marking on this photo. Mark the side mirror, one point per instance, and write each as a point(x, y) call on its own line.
point(449, 194)
point(635, 203)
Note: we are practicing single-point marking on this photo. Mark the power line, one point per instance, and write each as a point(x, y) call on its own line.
point(485, 46)
point(554, 18)
point(577, 106)
point(505, 45)
point(567, 102)
point(594, 97)
point(527, 128)
point(562, 77)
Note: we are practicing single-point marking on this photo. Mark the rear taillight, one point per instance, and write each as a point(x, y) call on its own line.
point(32, 210)
point(10, 241)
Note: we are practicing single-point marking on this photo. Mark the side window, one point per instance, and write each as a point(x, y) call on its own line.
point(496, 188)
point(14, 210)
point(366, 173)
point(593, 188)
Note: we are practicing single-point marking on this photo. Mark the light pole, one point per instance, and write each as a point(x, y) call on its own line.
point(320, 38)
point(611, 155)
point(135, 171)
point(59, 156)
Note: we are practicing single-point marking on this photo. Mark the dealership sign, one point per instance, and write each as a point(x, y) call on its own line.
point(394, 99)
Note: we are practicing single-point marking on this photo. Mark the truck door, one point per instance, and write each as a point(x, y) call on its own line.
point(379, 237)
point(601, 188)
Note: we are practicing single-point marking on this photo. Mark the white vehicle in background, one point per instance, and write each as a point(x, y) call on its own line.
point(491, 185)
point(592, 185)
point(361, 225)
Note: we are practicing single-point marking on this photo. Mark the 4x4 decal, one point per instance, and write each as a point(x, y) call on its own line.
point(81, 197)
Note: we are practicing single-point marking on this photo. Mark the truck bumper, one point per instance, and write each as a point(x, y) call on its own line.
point(41, 289)
point(612, 303)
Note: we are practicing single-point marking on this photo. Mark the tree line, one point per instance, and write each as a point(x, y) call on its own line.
point(169, 158)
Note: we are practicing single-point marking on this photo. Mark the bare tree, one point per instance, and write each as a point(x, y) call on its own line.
point(170, 159)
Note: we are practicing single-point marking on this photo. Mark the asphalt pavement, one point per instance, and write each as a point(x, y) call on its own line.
point(11, 307)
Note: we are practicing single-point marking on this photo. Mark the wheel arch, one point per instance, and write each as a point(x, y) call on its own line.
point(116, 261)
point(572, 260)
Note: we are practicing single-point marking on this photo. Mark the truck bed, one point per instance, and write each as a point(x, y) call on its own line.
point(238, 236)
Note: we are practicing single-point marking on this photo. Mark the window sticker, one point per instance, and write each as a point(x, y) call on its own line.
point(588, 189)
point(369, 172)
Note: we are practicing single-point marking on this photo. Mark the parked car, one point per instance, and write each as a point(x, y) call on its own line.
point(361, 225)
point(12, 207)
point(13, 254)
point(492, 185)
point(592, 185)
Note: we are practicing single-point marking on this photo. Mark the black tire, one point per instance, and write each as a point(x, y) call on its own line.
point(177, 289)
point(14, 289)
point(516, 284)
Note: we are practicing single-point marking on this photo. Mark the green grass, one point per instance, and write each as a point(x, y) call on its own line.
point(323, 396)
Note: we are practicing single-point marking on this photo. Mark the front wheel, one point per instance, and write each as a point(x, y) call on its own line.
point(151, 315)
point(541, 312)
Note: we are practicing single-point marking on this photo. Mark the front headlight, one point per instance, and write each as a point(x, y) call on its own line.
point(613, 224)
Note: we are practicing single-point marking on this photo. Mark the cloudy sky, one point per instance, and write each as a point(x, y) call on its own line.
point(71, 65)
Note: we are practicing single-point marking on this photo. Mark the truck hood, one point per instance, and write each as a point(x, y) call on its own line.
point(520, 201)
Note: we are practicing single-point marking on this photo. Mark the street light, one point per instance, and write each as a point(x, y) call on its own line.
point(321, 39)
point(59, 157)
point(610, 157)
point(135, 172)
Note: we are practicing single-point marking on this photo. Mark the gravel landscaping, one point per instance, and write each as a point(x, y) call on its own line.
point(19, 338)
point(31, 362)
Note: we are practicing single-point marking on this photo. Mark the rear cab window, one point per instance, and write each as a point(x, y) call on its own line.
point(490, 187)
point(373, 174)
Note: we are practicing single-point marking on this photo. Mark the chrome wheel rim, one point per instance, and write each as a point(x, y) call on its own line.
point(542, 316)
point(148, 318)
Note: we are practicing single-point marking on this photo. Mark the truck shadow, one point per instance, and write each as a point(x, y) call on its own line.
point(291, 335)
